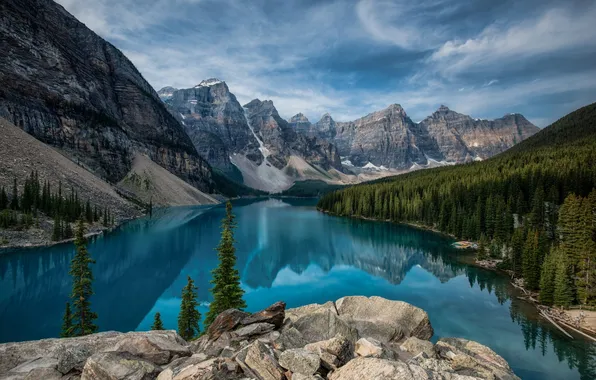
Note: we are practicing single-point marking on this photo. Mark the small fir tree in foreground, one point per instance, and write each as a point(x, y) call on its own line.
point(157, 324)
point(82, 276)
point(189, 317)
point(226, 291)
point(66, 323)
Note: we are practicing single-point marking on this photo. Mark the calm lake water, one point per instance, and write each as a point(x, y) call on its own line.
point(286, 251)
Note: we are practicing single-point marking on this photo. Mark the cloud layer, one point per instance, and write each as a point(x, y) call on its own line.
point(350, 58)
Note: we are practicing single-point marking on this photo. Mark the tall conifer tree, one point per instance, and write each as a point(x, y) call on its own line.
point(189, 317)
point(82, 280)
point(226, 291)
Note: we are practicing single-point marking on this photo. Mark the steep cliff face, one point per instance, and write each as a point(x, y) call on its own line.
point(282, 140)
point(461, 138)
point(69, 88)
point(215, 122)
point(390, 139)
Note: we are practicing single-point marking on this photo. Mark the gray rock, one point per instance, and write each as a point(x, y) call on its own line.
point(373, 368)
point(415, 346)
point(473, 359)
point(258, 361)
point(43, 373)
point(254, 329)
point(118, 365)
point(383, 319)
point(369, 347)
point(322, 325)
point(71, 353)
point(290, 338)
point(334, 352)
point(299, 360)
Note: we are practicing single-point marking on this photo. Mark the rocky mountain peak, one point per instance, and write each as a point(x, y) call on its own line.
point(299, 118)
point(443, 108)
point(209, 82)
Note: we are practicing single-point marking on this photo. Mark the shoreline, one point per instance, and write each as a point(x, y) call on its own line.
point(589, 331)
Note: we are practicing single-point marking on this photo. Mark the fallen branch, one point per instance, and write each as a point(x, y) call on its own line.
point(578, 331)
point(555, 323)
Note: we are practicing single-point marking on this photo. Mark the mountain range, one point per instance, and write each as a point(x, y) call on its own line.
point(70, 89)
point(255, 146)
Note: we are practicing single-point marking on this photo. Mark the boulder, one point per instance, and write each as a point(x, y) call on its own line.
point(71, 353)
point(324, 324)
point(384, 320)
point(290, 338)
point(254, 329)
point(226, 321)
point(379, 369)
point(415, 346)
point(473, 359)
point(299, 360)
point(43, 373)
point(274, 314)
point(334, 352)
point(196, 367)
point(297, 312)
point(369, 347)
point(157, 347)
point(118, 365)
point(258, 361)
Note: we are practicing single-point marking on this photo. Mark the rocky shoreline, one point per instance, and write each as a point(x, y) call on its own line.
point(353, 338)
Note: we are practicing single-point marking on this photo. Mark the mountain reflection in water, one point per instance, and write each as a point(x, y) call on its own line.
point(286, 251)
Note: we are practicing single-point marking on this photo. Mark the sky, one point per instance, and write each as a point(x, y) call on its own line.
point(484, 58)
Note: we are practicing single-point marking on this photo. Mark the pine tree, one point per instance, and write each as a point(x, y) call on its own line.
point(157, 324)
point(56, 231)
point(564, 291)
point(14, 202)
point(67, 329)
point(547, 278)
point(189, 317)
point(481, 255)
point(226, 291)
point(3, 199)
point(82, 276)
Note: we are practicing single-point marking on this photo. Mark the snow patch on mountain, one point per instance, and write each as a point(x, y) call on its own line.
point(209, 82)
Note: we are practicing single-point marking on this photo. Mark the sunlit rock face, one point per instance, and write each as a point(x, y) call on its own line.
point(390, 139)
point(461, 138)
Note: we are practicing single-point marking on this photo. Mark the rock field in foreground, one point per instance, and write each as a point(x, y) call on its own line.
point(355, 338)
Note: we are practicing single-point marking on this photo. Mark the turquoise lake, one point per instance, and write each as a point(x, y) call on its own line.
point(286, 251)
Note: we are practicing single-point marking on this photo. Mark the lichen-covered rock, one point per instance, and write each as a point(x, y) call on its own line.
point(415, 346)
point(299, 360)
point(310, 345)
point(378, 369)
point(383, 319)
point(473, 359)
point(70, 354)
point(324, 324)
point(334, 352)
point(118, 365)
point(258, 361)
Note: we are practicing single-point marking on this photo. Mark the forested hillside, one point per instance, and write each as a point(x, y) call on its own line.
point(534, 206)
